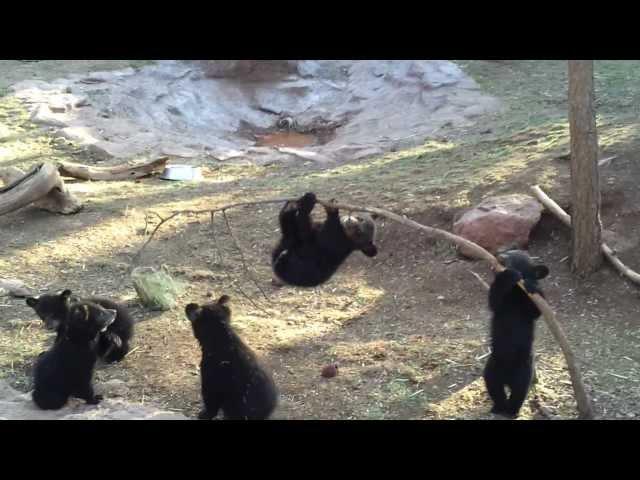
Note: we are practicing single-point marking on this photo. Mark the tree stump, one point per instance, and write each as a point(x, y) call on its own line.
point(41, 186)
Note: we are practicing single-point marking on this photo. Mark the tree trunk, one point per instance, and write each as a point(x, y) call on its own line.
point(585, 180)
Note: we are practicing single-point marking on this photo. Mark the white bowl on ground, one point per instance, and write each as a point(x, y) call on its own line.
point(182, 172)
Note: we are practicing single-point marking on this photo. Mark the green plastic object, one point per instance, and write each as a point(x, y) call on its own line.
point(155, 287)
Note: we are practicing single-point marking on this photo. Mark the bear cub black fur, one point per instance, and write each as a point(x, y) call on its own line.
point(233, 379)
point(309, 253)
point(511, 363)
point(113, 344)
point(66, 369)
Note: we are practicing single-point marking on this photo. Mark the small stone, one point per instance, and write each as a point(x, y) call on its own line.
point(330, 371)
point(98, 150)
point(81, 102)
point(41, 117)
point(474, 111)
point(57, 108)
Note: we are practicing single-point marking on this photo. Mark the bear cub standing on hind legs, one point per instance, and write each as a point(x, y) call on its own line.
point(512, 332)
point(113, 344)
point(233, 380)
point(67, 368)
point(309, 253)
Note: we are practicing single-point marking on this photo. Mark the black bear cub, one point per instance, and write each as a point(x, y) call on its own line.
point(113, 344)
point(233, 379)
point(309, 253)
point(66, 369)
point(512, 332)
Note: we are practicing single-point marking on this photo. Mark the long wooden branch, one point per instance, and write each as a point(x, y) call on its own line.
point(117, 172)
point(565, 218)
point(582, 399)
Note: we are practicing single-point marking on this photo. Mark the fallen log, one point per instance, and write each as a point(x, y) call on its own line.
point(117, 172)
point(41, 186)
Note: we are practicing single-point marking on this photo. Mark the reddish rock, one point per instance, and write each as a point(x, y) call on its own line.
point(500, 222)
point(330, 371)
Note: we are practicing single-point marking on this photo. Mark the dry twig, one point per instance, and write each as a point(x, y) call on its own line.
point(244, 263)
point(231, 280)
point(537, 406)
point(480, 279)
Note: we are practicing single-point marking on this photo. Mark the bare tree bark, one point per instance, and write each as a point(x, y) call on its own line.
point(585, 180)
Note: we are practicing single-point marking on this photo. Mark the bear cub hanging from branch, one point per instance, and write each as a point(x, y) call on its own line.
point(113, 344)
point(511, 363)
point(309, 253)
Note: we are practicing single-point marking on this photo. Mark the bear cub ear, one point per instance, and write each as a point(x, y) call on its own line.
point(32, 301)
point(192, 311)
point(66, 296)
point(540, 271)
point(107, 317)
point(223, 300)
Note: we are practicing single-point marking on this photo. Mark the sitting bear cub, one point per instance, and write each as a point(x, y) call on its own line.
point(233, 380)
point(113, 345)
point(67, 368)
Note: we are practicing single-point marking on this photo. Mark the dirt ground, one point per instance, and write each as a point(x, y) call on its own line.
point(408, 328)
